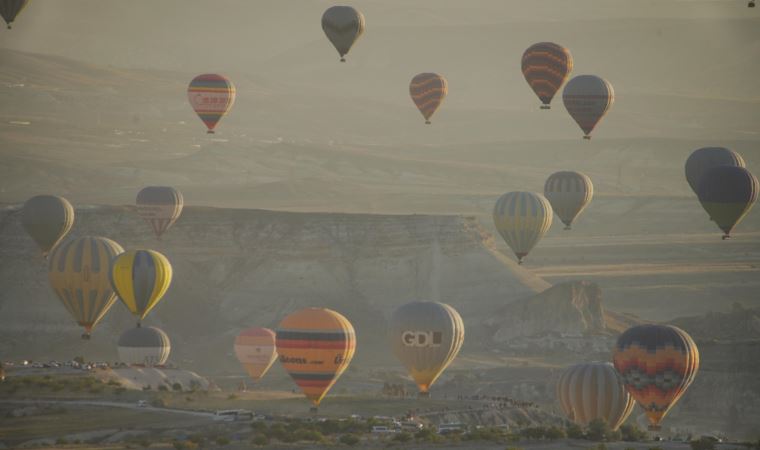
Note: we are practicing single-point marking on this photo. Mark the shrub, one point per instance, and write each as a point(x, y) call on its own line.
point(113, 383)
point(349, 439)
point(177, 387)
point(598, 430)
point(702, 444)
point(573, 431)
point(260, 439)
point(553, 433)
point(61, 441)
point(144, 443)
point(232, 397)
point(162, 387)
point(403, 437)
point(222, 440)
point(632, 433)
point(303, 434)
point(158, 403)
point(425, 434)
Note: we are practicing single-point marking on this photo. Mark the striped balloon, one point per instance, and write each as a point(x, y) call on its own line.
point(569, 193)
point(160, 206)
point(47, 219)
point(9, 9)
point(255, 349)
point(546, 66)
point(78, 270)
point(727, 193)
point(315, 346)
point(594, 391)
point(588, 98)
point(140, 278)
point(426, 337)
point(657, 364)
point(211, 96)
point(343, 25)
point(428, 91)
point(522, 219)
point(144, 346)
point(704, 159)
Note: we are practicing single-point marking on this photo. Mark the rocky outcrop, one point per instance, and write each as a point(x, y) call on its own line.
point(573, 308)
point(739, 324)
point(240, 268)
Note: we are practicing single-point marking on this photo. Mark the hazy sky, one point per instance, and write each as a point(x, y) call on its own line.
point(191, 35)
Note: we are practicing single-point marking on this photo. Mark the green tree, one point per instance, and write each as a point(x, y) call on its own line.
point(703, 444)
point(349, 439)
point(598, 430)
point(574, 431)
point(632, 433)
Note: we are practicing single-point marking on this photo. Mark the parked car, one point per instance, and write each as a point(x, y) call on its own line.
point(448, 428)
point(142, 403)
point(382, 429)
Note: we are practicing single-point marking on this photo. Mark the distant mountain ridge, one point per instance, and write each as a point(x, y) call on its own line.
point(739, 324)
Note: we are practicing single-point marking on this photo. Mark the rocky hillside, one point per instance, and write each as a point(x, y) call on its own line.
point(739, 324)
point(572, 309)
point(241, 268)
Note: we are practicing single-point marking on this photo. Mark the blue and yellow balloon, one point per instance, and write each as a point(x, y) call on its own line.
point(140, 278)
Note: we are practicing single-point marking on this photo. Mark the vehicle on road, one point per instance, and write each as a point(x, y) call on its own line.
point(382, 429)
point(142, 403)
point(448, 428)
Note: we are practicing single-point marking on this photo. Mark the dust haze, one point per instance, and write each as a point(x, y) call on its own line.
point(323, 186)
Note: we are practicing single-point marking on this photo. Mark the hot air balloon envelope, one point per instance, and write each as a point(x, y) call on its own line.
point(522, 219)
point(315, 346)
point(9, 9)
point(657, 364)
point(591, 391)
point(256, 351)
point(569, 193)
point(426, 337)
point(428, 91)
point(140, 278)
point(343, 25)
point(47, 219)
point(588, 98)
point(727, 193)
point(160, 206)
point(144, 346)
point(78, 270)
point(546, 67)
point(212, 97)
point(704, 159)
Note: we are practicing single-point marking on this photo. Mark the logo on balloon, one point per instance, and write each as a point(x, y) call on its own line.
point(422, 338)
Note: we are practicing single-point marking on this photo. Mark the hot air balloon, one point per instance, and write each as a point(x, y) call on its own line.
point(47, 219)
point(751, 4)
point(140, 278)
point(727, 193)
point(588, 98)
point(315, 346)
point(144, 346)
point(591, 391)
point(704, 159)
point(546, 66)
point(78, 270)
point(343, 25)
point(428, 91)
point(160, 206)
point(569, 193)
point(522, 219)
point(9, 9)
point(211, 96)
point(426, 337)
point(255, 349)
point(657, 364)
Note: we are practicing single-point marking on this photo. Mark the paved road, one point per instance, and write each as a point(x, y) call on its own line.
point(114, 405)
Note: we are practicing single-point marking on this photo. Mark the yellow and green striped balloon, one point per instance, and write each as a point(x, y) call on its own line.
point(140, 279)
point(79, 274)
point(522, 219)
